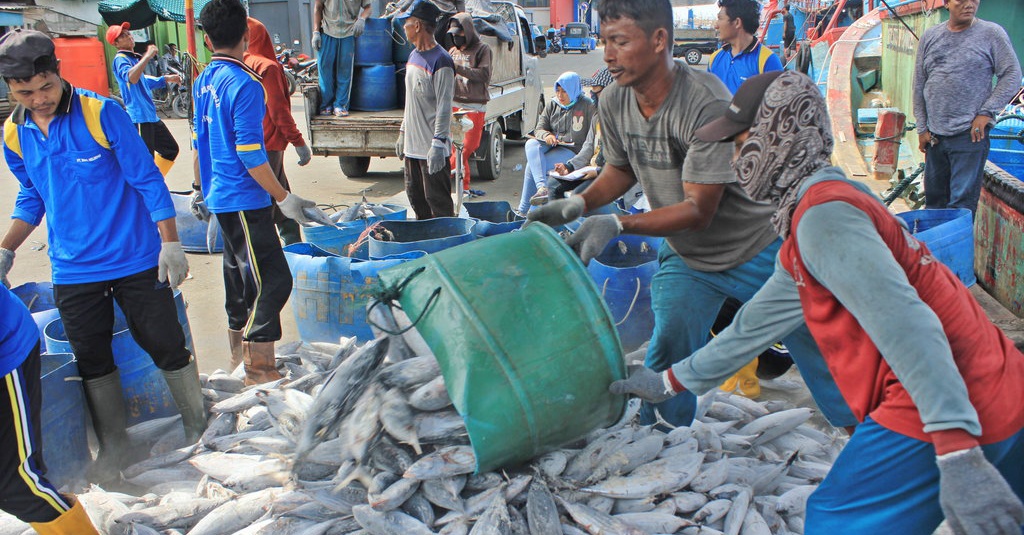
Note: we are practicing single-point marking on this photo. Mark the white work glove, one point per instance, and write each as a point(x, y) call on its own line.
point(400, 146)
point(315, 41)
point(172, 266)
point(303, 211)
point(975, 497)
point(197, 204)
point(6, 263)
point(436, 156)
point(359, 26)
point(644, 383)
point(305, 154)
point(558, 212)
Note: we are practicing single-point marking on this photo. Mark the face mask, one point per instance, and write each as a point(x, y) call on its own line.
point(459, 40)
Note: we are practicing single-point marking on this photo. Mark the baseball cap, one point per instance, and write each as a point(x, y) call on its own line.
point(26, 53)
point(742, 110)
point(426, 11)
point(115, 31)
point(601, 78)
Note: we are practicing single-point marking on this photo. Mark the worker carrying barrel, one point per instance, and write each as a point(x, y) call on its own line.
point(934, 384)
point(112, 235)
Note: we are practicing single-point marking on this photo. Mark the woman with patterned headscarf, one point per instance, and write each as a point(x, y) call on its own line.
point(935, 385)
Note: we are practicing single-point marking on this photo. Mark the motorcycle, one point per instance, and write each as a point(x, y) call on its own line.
point(298, 68)
point(555, 45)
point(175, 98)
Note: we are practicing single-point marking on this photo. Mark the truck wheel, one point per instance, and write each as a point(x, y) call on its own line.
point(489, 168)
point(354, 166)
point(693, 56)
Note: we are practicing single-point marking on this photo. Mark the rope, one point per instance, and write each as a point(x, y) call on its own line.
point(389, 296)
point(899, 188)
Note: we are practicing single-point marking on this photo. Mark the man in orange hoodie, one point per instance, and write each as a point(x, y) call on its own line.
point(278, 124)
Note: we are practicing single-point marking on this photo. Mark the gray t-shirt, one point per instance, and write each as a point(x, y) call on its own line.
point(340, 16)
point(664, 153)
point(954, 72)
point(429, 86)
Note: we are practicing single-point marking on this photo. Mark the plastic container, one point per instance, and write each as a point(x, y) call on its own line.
point(330, 292)
point(337, 239)
point(375, 88)
point(526, 345)
point(63, 421)
point(624, 281)
point(374, 46)
point(195, 235)
point(429, 236)
point(401, 48)
point(146, 394)
point(1008, 153)
point(83, 63)
point(38, 298)
point(495, 217)
point(949, 235)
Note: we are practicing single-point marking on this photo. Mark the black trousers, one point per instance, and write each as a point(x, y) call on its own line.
point(257, 281)
point(159, 139)
point(429, 194)
point(24, 490)
point(87, 311)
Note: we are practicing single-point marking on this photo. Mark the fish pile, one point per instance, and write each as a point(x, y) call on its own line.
point(361, 210)
point(364, 440)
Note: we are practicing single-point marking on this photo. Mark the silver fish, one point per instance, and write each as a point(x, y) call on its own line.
point(445, 462)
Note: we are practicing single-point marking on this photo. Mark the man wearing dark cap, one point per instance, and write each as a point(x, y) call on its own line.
point(719, 242)
point(934, 384)
point(80, 162)
point(423, 139)
point(137, 93)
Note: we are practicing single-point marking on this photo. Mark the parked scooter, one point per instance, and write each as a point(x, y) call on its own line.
point(175, 98)
point(298, 68)
point(555, 44)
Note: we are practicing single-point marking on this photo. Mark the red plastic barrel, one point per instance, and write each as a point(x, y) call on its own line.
point(83, 63)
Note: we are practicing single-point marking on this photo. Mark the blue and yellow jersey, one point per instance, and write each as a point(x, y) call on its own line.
point(229, 107)
point(95, 181)
point(137, 97)
point(734, 70)
point(18, 333)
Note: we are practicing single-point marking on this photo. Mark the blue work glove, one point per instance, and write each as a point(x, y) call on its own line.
point(197, 205)
point(975, 497)
point(315, 41)
point(645, 384)
point(172, 266)
point(559, 212)
point(305, 154)
point(359, 26)
point(593, 235)
point(437, 156)
point(400, 146)
point(6, 263)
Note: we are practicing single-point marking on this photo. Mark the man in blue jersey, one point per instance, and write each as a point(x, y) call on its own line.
point(238, 184)
point(64, 145)
point(741, 56)
point(137, 93)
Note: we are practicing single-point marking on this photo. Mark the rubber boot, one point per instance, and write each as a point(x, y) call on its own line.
point(260, 363)
point(188, 396)
point(73, 522)
point(106, 406)
point(289, 231)
point(745, 382)
point(235, 342)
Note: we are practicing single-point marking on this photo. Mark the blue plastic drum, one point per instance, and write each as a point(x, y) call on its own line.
point(623, 273)
point(63, 421)
point(373, 47)
point(430, 236)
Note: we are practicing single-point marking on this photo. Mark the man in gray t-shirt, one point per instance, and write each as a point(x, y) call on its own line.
point(719, 243)
point(955, 101)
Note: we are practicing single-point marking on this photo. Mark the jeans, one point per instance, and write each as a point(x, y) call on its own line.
point(540, 158)
point(955, 156)
point(686, 303)
point(336, 61)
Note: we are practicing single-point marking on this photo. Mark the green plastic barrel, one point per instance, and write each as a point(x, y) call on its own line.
point(525, 342)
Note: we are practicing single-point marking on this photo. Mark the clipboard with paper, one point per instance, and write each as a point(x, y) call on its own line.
point(578, 174)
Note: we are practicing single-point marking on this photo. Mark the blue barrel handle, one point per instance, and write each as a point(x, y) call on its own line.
point(604, 288)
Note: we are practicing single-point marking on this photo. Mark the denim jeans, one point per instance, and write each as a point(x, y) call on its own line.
point(954, 168)
point(540, 158)
point(686, 302)
point(335, 62)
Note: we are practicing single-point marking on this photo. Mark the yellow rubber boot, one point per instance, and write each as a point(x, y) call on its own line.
point(744, 382)
point(163, 164)
point(72, 522)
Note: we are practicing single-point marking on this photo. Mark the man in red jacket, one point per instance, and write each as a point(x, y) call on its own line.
point(278, 124)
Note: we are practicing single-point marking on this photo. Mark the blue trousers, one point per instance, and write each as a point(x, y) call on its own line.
point(335, 62)
point(885, 482)
point(540, 159)
point(686, 302)
point(954, 170)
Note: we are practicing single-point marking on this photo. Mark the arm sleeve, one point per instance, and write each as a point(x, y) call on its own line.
point(247, 115)
point(154, 82)
point(121, 67)
point(481, 71)
point(707, 163)
point(544, 121)
point(444, 88)
point(28, 206)
point(772, 64)
point(583, 157)
point(1007, 71)
point(279, 105)
point(770, 315)
point(841, 248)
point(920, 78)
point(136, 164)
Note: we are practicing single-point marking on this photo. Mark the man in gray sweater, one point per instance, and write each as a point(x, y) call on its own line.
point(955, 101)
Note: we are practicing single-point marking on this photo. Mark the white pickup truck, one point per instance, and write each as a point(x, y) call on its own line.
point(517, 97)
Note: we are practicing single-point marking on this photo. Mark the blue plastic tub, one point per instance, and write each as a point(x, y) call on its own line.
point(375, 88)
point(430, 236)
point(38, 298)
point(624, 281)
point(196, 236)
point(1008, 153)
point(949, 235)
point(374, 46)
point(330, 292)
point(63, 420)
point(495, 217)
point(337, 239)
